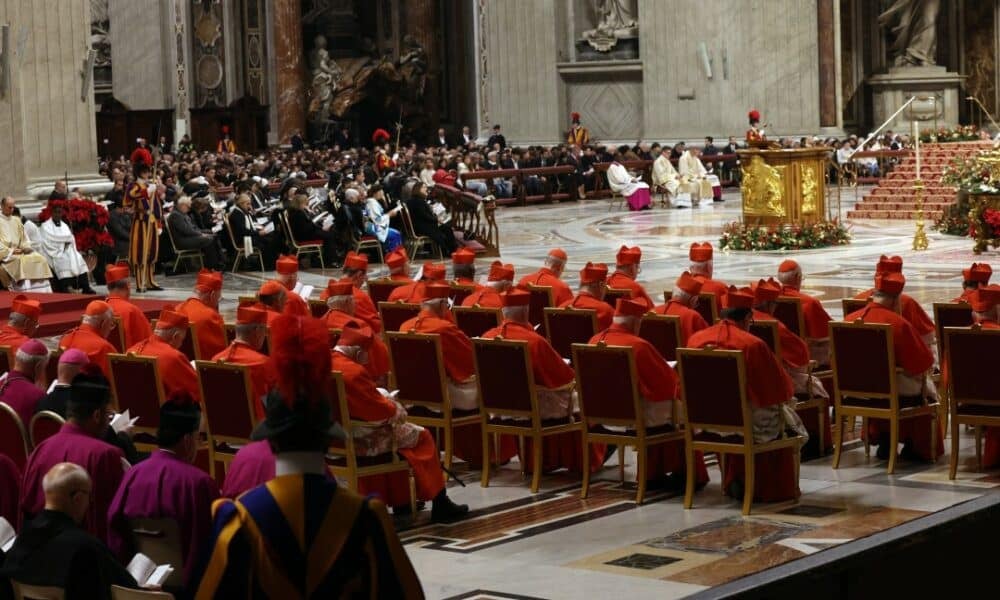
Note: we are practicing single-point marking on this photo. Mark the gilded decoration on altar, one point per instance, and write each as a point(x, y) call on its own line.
point(762, 189)
point(810, 190)
point(984, 221)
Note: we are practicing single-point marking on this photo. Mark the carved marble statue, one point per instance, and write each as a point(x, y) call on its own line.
point(913, 24)
point(413, 67)
point(325, 75)
point(615, 20)
point(99, 28)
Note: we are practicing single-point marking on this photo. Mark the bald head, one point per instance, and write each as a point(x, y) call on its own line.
point(67, 490)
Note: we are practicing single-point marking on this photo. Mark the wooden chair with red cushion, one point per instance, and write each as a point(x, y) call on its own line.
point(379, 289)
point(136, 386)
point(318, 308)
point(719, 415)
point(972, 387)
point(44, 425)
point(394, 314)
point(342, 457)
point(852, 305)
point(663, 332)
point(567, 326)
point(228, 407)
point(14, 440)
point(117, 336)
point(788, 310)
point(476, 320)
point(611, 295)
point(708, 307)
point(541, 298)
point(864, 376)
point(608, 386)
point(6, 358)
point(418, 373)
point(460, 292)
point(508, 400)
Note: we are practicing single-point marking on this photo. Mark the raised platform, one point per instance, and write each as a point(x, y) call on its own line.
point(61, 312)
point(893, 197)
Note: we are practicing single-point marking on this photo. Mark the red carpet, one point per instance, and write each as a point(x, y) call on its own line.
point(61, 312)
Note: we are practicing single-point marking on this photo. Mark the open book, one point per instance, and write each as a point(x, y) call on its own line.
point(121, 421)
point(146, 572)
point(7, 535)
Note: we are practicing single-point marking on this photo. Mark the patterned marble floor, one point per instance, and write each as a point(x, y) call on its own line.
point(555, 545)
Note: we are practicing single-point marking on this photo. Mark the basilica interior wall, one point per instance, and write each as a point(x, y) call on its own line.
point(11, 151)
point(139, 53)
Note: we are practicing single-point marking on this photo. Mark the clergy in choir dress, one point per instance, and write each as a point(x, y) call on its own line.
point(133, 320)
point(914, 361)
point(693, 171)
point(22, 266)
point(770, 393)
point(590, 295)
point(414, 292)
point(80, 441)
point(682, 302)
point(975, 277)
point(551, 275)
point(463, 265)
point(910, 309)
point(398, 264)
point(356, 270)
point(22, 322)
point(658, 388)
point(635, 191)
point(339, 297)
point(202, 311)
point(287, 274)
point(20, 388)
point(167, 486)
point(702, 267)
point(499, 280)
point(176, 373)
point(344, 544)
point(253, 465)
point(143, 199)
point(665, 177)
point(626, 271)
point(58, 245)
point(386, 428)
point(251, 331)
point(96, 324)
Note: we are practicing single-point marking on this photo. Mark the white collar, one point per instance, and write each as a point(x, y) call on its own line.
point(294, 463)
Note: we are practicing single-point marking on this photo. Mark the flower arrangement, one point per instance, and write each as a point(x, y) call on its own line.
point(960, 133)
point(87, 219)
point(953, 225)
point(971, 175)
point(740, 236)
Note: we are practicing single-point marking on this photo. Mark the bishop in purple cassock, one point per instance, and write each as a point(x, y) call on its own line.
point(18, 389)
point(252, 466)
point(79, 442)
point(167, 485)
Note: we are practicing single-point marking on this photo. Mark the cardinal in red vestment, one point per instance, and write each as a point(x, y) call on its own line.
point(339, 296)
point(176, 373)
point(134, 322)
point(22, 322)
point(681, 305)
point(91, 336)
point(202, 311)
point(909, 308)
point(973, 278)
point(500, 279)
point(702, 267)
point(414, 292)
point(550, 276)
point(251, 331)
point(624, 277)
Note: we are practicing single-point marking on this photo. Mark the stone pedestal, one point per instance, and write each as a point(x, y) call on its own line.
point(936, 89)
point(290, 75)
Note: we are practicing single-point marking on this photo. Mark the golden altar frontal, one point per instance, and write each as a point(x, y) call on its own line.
point(783, 186)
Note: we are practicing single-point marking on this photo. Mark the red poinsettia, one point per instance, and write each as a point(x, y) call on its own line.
point(87, 219)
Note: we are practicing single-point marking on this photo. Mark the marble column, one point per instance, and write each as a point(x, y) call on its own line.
point(421, 19)
point(290, 74)
point(826, 42)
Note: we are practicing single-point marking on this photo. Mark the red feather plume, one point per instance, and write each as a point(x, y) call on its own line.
point(754, 115)
point(380, 134)
point(300, 353)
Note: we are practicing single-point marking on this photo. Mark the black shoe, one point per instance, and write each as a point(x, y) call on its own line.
point(404, 509)
point(908, 453)
point(444, 510)
point(140, 290)
point(155, 288)
point(884, 448)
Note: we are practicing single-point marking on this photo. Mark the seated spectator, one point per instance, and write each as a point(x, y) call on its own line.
point(305, 230)
point(187, 235)
point(242, 224)
point(425, 222)
point(53, 550)
point(58, 246)
point(379, 216)
point(21, 390)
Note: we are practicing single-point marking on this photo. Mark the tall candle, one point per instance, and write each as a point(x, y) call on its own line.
point(916, 141)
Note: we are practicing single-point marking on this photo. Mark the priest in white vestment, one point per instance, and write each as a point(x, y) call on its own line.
point(666, 176)
point(621, 182)
point(23, 268)
point(58, 245)
point(692, 170)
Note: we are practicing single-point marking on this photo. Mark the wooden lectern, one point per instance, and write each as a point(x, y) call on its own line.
point(783, 186)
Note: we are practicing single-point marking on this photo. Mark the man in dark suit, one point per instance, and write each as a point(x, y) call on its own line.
point(467, 137)
point(426, 223)
point(242, 224)
point(187, 236)
point(497, 139)
point(441, 139)
point(52, 549)
point(343, 138)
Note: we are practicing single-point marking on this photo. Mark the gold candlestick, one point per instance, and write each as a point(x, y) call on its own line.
point(919, 236)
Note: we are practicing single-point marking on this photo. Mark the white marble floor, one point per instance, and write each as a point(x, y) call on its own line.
point(554, 545)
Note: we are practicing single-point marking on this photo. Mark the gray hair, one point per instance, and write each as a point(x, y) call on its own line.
point(340, 302)
point(17, 319)
point(31, 361)
point(681, 296)
point(790, 276)
point(167, 332)
point(247, 329)
point(96, 320)
point(700, 267)
point(184, 201)
point(515, 313)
